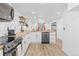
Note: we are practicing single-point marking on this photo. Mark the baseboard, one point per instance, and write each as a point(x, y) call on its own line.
point(66, 54)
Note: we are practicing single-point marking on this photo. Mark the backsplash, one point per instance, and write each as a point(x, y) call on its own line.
point(3, 39)
point(3, 28)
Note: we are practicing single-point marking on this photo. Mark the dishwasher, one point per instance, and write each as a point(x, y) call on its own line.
point(45, 38)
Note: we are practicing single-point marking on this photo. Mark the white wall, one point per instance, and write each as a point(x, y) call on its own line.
point(3, 28)
point(12, 25)
point(60, 28)
point(15, 23)
point(71, 33)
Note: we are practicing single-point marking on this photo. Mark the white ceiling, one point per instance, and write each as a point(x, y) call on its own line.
point(41, 10)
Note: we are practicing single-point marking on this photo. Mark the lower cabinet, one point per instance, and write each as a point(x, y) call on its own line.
point(1, 52)
point(52, 37)
point(35, 37)
point(25, 44)
point(19, 50)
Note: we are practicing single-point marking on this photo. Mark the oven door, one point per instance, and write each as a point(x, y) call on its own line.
point(11, 53)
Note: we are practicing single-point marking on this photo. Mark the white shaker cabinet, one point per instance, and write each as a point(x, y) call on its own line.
point(1, 52)
point(25, 44)
point(19, 50)
point(52, 37)
point(35, 37)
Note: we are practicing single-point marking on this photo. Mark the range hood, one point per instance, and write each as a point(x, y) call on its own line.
point(6, 12)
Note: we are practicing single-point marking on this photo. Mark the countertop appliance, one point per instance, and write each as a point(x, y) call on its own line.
point(6, 12)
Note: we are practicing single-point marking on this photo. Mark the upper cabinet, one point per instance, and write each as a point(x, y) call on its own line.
point(6, 12)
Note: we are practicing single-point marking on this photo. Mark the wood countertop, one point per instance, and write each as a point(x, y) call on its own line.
point(21, 34)
point(46, 31)
point(1, 46)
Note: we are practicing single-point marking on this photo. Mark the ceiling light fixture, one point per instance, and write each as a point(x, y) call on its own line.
point(58, 12)
point(51, 17)
point(33, 12)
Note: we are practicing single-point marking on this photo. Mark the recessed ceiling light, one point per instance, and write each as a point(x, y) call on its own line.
point(33, 12)
point(51, 17)
point(58, 12)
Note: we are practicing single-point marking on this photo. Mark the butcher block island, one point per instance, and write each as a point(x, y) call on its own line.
point(24, 39)
point(35, 37)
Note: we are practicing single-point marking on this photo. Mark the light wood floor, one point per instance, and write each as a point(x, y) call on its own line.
point(37, 49)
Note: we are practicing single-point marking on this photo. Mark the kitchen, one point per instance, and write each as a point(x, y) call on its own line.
point(18, 31)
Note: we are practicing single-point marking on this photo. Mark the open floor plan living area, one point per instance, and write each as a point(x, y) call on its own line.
point(39, 29)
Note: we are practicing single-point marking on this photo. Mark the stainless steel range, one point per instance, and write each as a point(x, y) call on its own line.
point(10, 43)
point(10, 47)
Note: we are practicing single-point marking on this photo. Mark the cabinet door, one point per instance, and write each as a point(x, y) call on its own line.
point(1, 52)
point(52, 38)
point(35, 37)
point(25, 44)
point(38, 37)
point(19, 50)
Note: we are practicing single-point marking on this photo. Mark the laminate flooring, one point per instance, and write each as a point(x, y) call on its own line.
point(38, 49)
